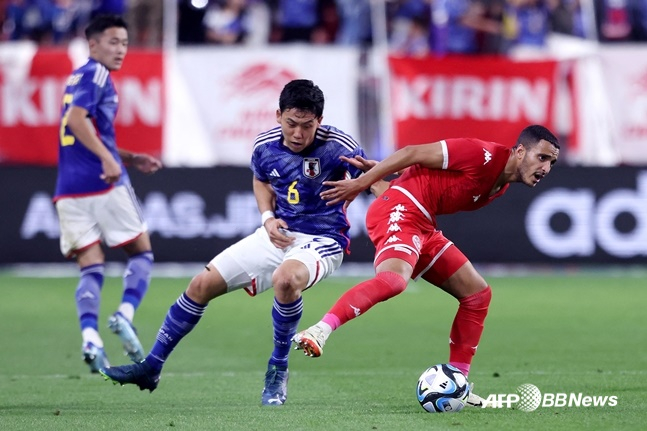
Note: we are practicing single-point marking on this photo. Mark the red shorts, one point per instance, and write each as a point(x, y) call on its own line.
point(399, 229)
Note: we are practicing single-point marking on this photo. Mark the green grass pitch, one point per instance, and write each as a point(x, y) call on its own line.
point(564, 333)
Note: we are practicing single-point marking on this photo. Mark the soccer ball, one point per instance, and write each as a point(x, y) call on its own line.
point(442, 389)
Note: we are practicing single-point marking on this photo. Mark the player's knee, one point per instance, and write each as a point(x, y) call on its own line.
point(291, 276)
point(487, 296)
point(479, 300)
point(287, 283)
point(396, 283)
point(206, 286)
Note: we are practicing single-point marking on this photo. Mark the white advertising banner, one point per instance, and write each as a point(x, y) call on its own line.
point(220, 99)
point(625, 73)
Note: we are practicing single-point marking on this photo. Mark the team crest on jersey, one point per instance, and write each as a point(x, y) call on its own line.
point(311, 167)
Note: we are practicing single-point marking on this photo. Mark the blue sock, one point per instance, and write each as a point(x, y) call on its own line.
point(137, 277)
point(88, 296)
point(180, 320)
point(285, 318)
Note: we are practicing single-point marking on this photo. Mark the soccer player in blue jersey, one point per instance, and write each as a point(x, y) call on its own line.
point(94, 198)
point(301, 241)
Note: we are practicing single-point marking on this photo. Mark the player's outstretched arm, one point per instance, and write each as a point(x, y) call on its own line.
point(344, 190)
point(428, 155)
point(359, 162)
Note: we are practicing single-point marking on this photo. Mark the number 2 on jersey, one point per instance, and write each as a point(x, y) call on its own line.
point(293, 193)
point(66, 139)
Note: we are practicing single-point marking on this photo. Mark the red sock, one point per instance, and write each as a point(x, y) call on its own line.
point(362, 297)
point(467, 328)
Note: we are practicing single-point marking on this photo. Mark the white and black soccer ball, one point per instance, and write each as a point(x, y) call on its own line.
point(442, 389)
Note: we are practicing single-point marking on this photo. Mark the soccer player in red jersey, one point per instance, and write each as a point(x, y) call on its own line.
point(439, 178)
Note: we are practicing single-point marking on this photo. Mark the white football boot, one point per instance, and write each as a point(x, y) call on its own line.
point(311, 341)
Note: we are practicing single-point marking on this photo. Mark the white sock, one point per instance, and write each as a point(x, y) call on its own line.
point(326, 328)
point(127, 310)
point(91, 335)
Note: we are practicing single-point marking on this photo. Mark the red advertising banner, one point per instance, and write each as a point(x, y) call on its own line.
point(491, 98)
point(32, 89)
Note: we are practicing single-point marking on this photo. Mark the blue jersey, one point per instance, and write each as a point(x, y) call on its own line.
point(531, 24)
point(296, 179)
point(89, 87)
point(298, 13)
point(460, 38)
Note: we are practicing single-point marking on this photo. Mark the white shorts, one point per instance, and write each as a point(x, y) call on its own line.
point(114, 217)
point(251, 262)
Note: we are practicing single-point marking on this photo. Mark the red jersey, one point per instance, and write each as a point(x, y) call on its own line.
point(470, 169)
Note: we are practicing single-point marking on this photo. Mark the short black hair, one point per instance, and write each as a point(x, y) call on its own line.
point(531, 135)
point(102, 22)
point(304, 95)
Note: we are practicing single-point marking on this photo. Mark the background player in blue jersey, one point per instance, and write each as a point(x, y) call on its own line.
point(94, 198)
point(301, 240)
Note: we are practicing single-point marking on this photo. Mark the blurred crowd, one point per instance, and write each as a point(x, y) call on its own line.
point(56, 22)
point(412, 27)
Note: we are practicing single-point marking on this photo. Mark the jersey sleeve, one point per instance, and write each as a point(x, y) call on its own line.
point(259, 172)
point(86, 94)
